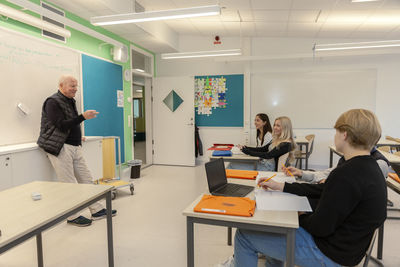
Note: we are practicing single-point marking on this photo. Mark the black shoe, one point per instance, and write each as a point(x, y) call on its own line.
point(102, 214)
point(80, 221)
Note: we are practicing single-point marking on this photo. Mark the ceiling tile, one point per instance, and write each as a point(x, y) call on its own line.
point(210, 28)
point(304, 27)
point(271, 4)
point(347, 16)
point(303, 15)
point(246, 14)
point(333, 34)
point(264, 26)
point(247, 29)
point(367, 35)
point(345, 27)
point(235, 4)
point(313, 4)
point(271, 15)
point(300, 34)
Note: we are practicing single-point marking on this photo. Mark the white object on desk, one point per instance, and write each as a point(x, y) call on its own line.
point(279, 201)
point(274, 200)
point(236, 151)
point(36, 196)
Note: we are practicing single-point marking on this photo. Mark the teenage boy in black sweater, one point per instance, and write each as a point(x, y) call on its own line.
point(352, 204)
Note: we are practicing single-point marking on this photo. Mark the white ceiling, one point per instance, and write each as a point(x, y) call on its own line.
point(255, 18)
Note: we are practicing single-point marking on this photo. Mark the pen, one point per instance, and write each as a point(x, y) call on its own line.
point(213, 210)
point(286, 169)
point(265, 180)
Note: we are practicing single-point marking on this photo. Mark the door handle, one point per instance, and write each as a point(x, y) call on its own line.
point(191, 124)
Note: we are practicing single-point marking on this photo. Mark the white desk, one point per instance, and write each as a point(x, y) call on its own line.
point(23, 218)
point(301, 141)
point(238, 158)
point(282, 222)
point(389, 156)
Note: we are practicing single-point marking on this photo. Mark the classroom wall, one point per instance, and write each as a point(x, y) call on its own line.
point(85, 44)
point(387, 81)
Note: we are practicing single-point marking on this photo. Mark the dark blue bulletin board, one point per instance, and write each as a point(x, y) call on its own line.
point(217, 107)
point(101, 81)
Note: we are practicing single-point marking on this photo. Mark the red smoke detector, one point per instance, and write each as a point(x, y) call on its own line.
point(217, 40)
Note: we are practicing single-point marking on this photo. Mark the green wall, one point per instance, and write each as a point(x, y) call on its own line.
point(86, 44)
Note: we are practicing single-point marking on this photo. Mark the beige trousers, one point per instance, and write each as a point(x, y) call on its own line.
point(70, 167)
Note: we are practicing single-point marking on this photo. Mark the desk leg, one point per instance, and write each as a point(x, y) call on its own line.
point(190, 242)
point(255, 165)
point(380, 243)
point(109, 230)
point(290, 245)
point(306, 156)
point(229, 236)
point(39, 249)
point(330, 158)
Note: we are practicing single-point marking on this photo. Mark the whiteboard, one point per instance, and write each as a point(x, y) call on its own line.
point(30, 69)
point(312, 99)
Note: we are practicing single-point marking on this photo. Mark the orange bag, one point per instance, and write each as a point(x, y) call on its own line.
point(394, 176)
point(241, 174)
point(238, 206)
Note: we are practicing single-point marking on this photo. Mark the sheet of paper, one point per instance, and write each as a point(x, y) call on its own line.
point(274, 200)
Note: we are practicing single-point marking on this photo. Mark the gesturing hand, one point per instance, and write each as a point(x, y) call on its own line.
point(90, 114)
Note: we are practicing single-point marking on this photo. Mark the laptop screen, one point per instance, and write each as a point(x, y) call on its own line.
point(216, 175)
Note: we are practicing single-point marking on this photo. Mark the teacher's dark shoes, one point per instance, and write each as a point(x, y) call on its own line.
point(102, 214)
point(80, 221)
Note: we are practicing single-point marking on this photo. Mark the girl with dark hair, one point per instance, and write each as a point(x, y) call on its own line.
point(264, 129)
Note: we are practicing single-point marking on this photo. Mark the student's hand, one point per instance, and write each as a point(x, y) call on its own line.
point(83, 138)
point(90, 114)
point(240, 147)
point(293, 170)
point(322, 181)
point(271, 184)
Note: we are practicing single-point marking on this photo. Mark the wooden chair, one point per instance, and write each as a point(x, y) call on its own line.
point(300, 155)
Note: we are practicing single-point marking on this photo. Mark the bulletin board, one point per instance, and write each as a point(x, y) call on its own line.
point(219, 100)
point(102, 84)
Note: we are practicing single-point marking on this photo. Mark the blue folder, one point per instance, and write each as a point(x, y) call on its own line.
point(222, 153)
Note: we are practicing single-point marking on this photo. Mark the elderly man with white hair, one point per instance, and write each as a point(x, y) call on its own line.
point(61, 138)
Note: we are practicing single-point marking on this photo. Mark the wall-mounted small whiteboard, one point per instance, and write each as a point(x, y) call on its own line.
point(29, 72)
point(312, 99)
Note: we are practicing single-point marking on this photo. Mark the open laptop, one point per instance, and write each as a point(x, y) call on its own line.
point(218, 183)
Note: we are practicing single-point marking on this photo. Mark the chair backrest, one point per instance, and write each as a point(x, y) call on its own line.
point(282, 160)
point(385, 148)
point(310, 139)
point(392, 138)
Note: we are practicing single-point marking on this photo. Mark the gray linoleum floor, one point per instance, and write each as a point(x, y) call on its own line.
point(150, 229)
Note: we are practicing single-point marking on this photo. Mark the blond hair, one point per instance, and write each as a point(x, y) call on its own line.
point(286, 135)
point(362, 128)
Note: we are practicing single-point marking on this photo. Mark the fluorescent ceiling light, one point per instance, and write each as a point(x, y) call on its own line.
point(215, 53)
point(30, 20)
point(139, 70)
point(360, 45)
point(157, 15)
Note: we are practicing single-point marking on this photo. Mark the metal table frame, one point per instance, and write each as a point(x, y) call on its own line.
point(38, 231)
point(289, 232)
